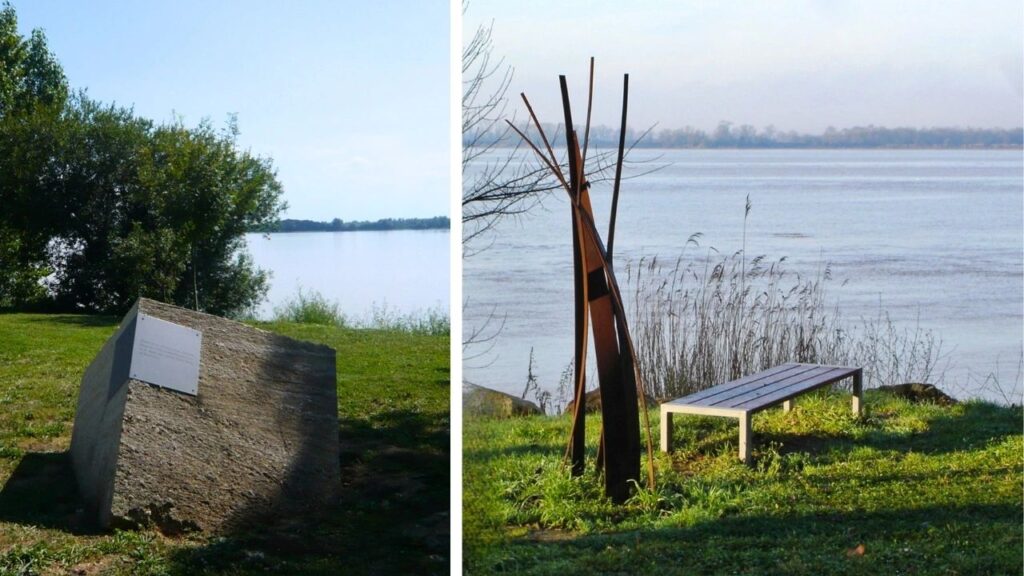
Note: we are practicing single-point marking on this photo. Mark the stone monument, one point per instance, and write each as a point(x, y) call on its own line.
point(194, 422)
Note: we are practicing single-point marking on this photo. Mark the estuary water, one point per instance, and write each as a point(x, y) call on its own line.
point(404, 271)
point(933, 237)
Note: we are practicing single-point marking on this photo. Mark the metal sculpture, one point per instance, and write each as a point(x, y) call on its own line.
point(599, 307)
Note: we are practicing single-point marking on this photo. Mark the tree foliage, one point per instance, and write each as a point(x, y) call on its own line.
point(29, 73)
point(101, 206)
point(33, 90)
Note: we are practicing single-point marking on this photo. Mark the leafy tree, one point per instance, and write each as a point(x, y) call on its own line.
point(29, 73)
point(109, 207)
point(206, 193)
point(33, 91)
point(157, 211)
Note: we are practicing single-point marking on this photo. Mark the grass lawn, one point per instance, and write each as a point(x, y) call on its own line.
point(906, 489)
point(393, 398)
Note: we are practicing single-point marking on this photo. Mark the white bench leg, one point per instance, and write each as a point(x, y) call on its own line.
point(787, 406)
point(858, 392)
point(746, 438)
point(666, 430)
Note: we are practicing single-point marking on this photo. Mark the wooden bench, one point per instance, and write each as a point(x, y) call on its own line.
point(744, 397)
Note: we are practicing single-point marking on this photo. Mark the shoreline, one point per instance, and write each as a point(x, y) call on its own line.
point(348, 231)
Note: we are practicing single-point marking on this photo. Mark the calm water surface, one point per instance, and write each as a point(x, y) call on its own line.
point(405, 270)
point(933, 237)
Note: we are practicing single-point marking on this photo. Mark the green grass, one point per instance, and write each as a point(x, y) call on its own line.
point(311, 307)
point(393, 397)
point(906, 489)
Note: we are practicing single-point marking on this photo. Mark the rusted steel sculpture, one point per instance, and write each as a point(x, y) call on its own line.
point(599, 306)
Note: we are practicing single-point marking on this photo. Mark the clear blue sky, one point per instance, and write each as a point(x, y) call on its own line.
point(350, 99)
point(797, 64)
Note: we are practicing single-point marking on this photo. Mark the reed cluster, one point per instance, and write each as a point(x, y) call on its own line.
point(697, 322)
point(312, 307)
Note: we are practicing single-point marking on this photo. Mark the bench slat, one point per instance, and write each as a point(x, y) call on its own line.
point(801, 373)
point(756, 391)
point(778, 395)
point(749, 379)
point(806, 380)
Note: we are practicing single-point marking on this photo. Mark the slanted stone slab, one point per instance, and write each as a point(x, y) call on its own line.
point(259, 437)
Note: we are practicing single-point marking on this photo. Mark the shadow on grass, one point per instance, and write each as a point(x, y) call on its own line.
point(42, 492)
point(922, 540)
point(389, 513)
point(391, 517)
point(531, 449)
point(82, 320)
point(979, 424)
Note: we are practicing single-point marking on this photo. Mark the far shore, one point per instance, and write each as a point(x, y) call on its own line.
point(338, 225)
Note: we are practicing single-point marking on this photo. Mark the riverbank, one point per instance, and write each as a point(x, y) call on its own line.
point(289, 225)
point(393, 397)
point(907, 489)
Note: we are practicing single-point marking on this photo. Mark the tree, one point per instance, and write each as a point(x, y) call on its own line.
point(157, 211)
point(110, 207)
point(33, 92)
point(30, 75)
point(501, 183)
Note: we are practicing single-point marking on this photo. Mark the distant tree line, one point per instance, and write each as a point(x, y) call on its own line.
point(728, 135)
point(338, 225)
point(99, 206)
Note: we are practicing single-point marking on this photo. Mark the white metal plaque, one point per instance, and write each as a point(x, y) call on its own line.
point(166, 354)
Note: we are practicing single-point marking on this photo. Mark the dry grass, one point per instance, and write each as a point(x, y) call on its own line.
point(702, 321)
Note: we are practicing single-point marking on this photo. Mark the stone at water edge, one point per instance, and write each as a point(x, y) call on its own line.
point(480, 401)
point(259, 438)
point(920, 392)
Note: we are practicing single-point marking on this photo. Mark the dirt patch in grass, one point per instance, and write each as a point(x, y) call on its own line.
point(549, 535)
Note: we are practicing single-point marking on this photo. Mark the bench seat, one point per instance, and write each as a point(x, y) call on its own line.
point(744, 397)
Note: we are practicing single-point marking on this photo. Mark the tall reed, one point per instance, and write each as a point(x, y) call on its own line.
point(700, 322)
point(312, 307)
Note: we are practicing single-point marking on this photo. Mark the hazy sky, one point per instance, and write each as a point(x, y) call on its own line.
point(350, 99)
point(798, 65)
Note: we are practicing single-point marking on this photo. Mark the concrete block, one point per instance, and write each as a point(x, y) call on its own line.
point(260, 437)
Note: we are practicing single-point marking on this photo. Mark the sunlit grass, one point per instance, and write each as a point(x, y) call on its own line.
point(924, 489)
point(393, 398)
